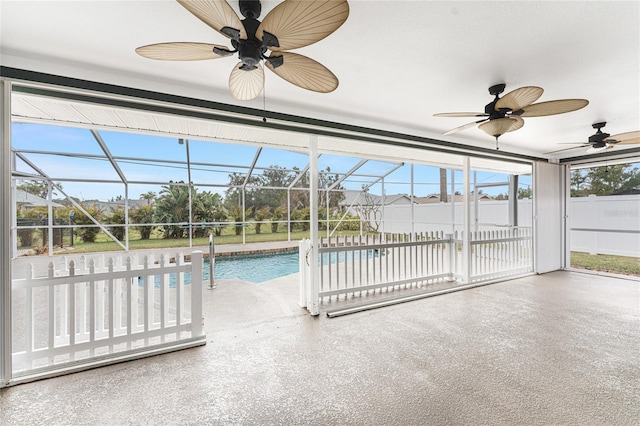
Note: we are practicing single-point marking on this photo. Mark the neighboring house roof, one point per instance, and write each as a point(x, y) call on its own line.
point(431, 199)
point(629, 191)
point(31, 200)
point(371, 199)
point(108, 205)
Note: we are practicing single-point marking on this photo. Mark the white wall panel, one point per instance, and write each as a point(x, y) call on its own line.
point(548, 237)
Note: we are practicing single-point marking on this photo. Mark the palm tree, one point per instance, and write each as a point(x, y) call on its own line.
point(172, 207)
point(149, 196)
point(208, 207)
point(260, 215)
point(278, 214)
point(236, 214)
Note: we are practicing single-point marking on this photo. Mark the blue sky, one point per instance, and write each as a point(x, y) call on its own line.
point(68, 140)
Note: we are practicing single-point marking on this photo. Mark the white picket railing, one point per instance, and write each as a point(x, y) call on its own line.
point(357, 266)
point(501, 253)
point(370, 263)
point(80, 312)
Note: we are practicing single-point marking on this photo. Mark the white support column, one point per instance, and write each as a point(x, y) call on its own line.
point(476, 199)
point(566, 212)
point(189, 188)
point(513, 200)
point(453, 201)
point(327, 213)
point(196, 294)
point(313, 208)
point(413, 213)
point(382, 211)
point(244, 224)
point(547, 204)
point(50, 218)
point(5, 233)
point(288, 214)
point(14, 212)
point(126, 216)
point(466, 235)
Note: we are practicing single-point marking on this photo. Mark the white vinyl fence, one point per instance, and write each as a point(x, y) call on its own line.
point(80, 312)
point(598, 225)
point(606, 225)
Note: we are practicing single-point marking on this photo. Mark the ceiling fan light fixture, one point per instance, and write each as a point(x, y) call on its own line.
point(498, 127)
point(594, 149)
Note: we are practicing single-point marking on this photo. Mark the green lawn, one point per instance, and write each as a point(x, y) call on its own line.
point(606, 263)
point(104, 243)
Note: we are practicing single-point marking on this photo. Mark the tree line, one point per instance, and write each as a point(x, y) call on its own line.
point(604, 180)
point(266, 202)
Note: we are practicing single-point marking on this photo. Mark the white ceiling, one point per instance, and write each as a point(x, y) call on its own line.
point(398, 62)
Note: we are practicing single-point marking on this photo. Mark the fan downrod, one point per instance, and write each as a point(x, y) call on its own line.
point(496, 89)
point(599, 126)
point(250, 8)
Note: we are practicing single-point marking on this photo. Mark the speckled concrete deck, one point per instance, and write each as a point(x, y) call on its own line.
point(560, 348)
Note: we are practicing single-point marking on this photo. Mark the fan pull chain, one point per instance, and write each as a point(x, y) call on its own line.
point(497, 147)
point(264, 103)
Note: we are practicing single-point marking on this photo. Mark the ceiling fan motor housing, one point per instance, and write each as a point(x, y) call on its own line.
point(598, 140)
point(250, 51)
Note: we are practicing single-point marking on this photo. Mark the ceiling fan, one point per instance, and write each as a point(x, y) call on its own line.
point(290, 25)
point(601, 141)
point(505, 114)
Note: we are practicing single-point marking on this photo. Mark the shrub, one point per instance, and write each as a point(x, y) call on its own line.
point(142, 214)
point(88, 235)
point(116, 217)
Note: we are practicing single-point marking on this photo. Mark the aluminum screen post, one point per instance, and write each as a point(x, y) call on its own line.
point(7, 237)
point(212, 261)
point(466, 234)
point(196, 294)
point(314, 308)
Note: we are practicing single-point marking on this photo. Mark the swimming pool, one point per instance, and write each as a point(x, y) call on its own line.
point(254, 268)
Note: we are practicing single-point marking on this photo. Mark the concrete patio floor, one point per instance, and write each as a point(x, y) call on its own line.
point(560, 348)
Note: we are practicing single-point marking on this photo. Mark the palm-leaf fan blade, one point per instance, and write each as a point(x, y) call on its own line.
point(299, 23)
point(464, 126)
point(246, 85)
point(554, 107)
point(180, 51)
point(629, 138)
point(461, 114)
point(566, 149)
point(519, 98)
point(305, 72)
point(218, 14)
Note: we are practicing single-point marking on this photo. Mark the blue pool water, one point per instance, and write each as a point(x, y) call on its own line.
point(255, 268)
